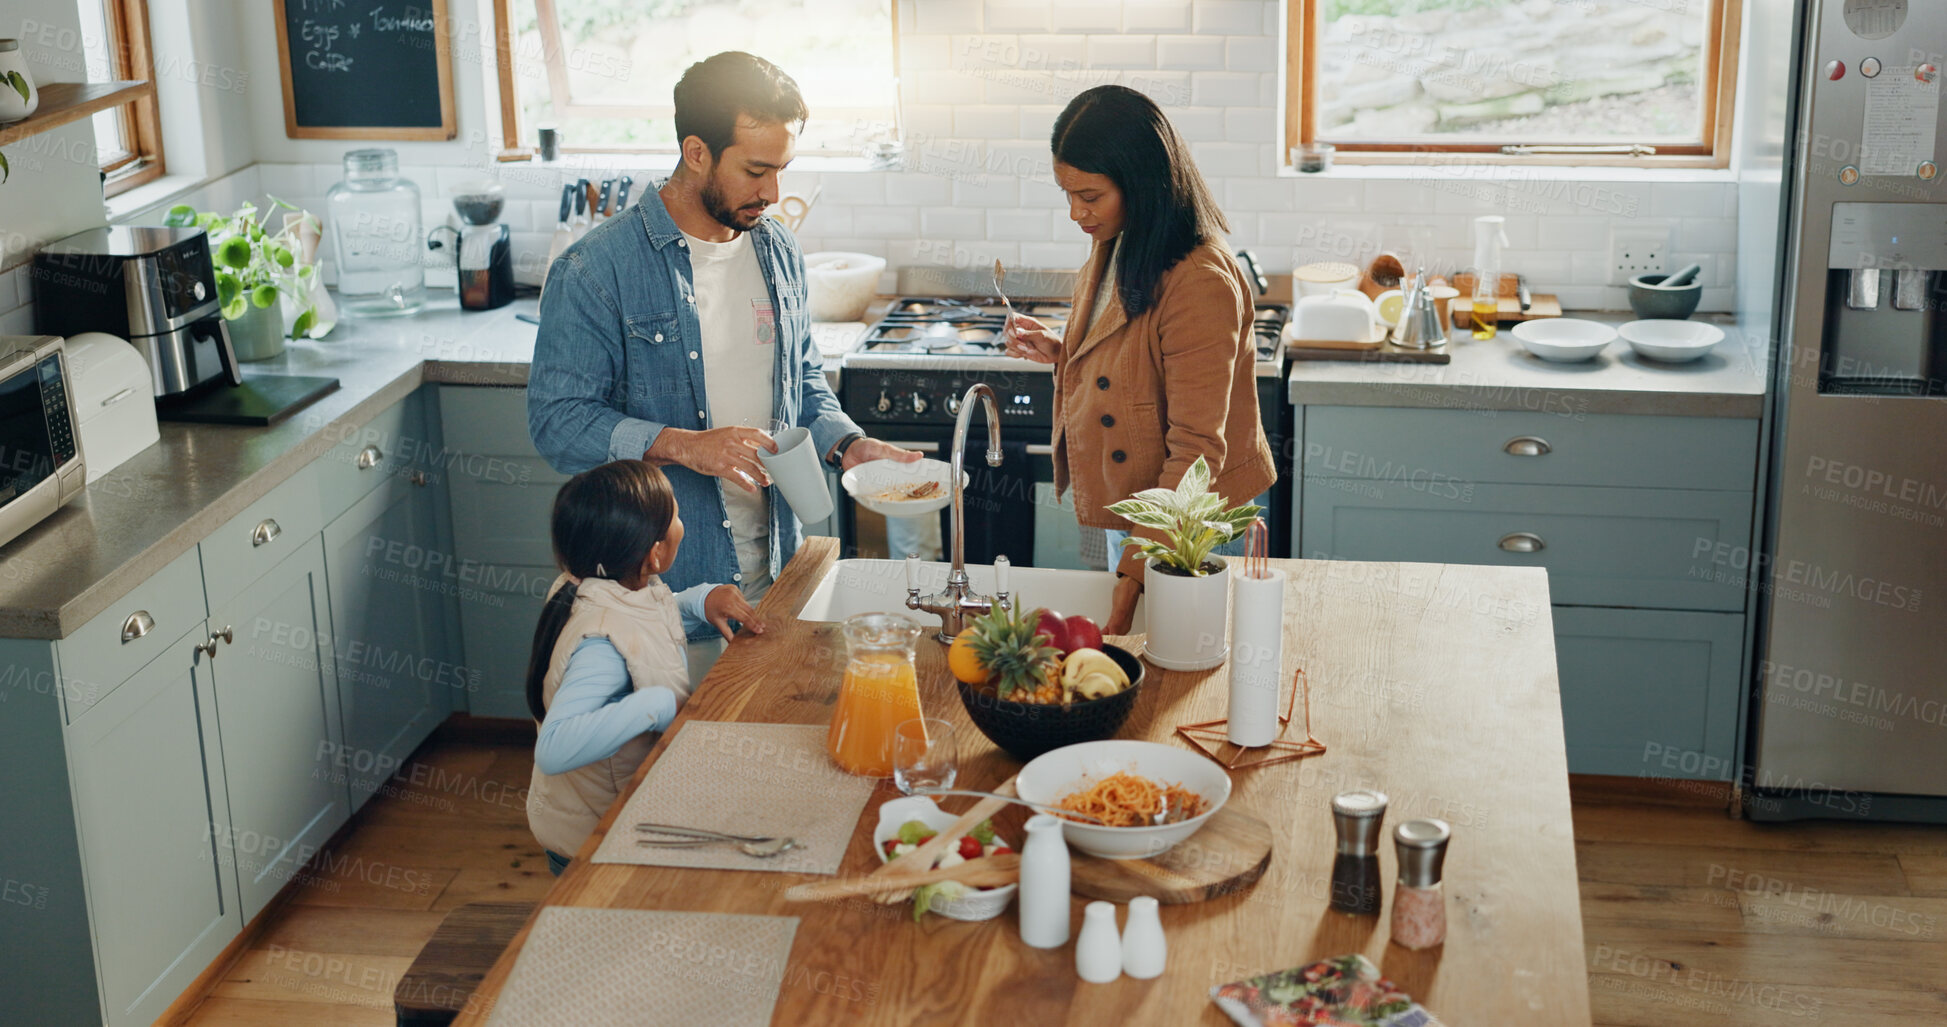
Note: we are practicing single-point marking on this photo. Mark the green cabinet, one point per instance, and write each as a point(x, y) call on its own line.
point(151, 811)
point(277, 702)
point(389, 579)
point(1628, 515)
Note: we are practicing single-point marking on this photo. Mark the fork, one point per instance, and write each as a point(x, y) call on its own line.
point(690, 837)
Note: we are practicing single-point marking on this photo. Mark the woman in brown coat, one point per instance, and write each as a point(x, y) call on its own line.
point(1156, 367)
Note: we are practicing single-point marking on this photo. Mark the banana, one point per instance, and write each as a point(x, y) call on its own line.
point(1091, 674)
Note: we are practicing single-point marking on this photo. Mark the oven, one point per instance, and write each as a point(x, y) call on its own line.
point(903, 384)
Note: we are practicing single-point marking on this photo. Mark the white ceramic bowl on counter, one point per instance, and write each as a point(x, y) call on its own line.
point(981, 904)
point(1052, 775)
point(1564, 340)
point(1673, 342)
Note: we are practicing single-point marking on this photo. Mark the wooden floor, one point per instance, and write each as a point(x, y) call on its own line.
point(1690, 917)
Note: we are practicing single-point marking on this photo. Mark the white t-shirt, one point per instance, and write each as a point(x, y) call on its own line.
point(739, 353)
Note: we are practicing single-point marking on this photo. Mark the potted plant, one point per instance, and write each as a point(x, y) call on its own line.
point(256, 271)
point(1186, 588)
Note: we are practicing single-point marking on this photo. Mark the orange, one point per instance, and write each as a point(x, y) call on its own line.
point(963, 662)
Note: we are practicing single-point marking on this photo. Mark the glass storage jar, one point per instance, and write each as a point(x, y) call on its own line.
point(375, 236)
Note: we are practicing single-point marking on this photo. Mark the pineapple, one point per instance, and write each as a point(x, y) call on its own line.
point(1017, 659)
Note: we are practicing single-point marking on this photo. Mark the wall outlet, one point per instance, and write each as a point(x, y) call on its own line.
point(1636, 250)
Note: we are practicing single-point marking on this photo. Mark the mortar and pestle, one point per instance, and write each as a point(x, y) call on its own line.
point(1666, 296)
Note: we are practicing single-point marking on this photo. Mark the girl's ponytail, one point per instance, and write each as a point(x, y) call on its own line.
point(554, 617)
point(604, 523)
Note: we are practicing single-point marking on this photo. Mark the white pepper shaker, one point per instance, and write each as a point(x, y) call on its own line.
point(1144, 951)
point(1044, 884)
point(1098, 952)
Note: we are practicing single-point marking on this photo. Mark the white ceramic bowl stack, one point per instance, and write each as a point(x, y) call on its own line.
point(1673, 342)
point(1564, 340)
point(1052, 775)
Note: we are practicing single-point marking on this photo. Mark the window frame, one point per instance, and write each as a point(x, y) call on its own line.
point(132, 57)
point(514, 149)
point(1719, 87)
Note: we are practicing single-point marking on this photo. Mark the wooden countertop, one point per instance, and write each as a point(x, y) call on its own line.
point(1433, 683)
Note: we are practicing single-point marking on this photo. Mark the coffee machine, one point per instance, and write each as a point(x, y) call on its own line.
point(480, 244)
point(151, 285)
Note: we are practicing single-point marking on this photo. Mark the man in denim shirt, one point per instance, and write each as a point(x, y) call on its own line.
point(676, 331)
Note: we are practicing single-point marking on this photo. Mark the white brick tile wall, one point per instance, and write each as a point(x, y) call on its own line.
point(1155, 16)
point(986, 191)
point(1038, 122)
point(1088, 16)
point(1220, 160)
point(1699, 234)
point(1018, 225)
point(1249, 124)
point(1122, 51)
point(1258, 194)
point(1223, 88)
point(1251, 53)
point(918, 189)
point(945, 16)
point(979, 121)
point(1229, 17)
point(951, 223)
point(886, 222)
point(1013, 16)
point(1191, 53)
point(1200, 124)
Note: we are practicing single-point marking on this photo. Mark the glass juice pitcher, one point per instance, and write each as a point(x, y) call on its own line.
point(881, 691)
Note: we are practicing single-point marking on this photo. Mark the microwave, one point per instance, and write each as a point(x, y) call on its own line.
point(40, 454)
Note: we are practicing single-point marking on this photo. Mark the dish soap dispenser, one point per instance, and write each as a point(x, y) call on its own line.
point(1490, 235)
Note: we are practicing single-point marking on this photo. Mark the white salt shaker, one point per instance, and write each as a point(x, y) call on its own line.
point(1044, 884)
point(1144, 951)
point(1098, 953)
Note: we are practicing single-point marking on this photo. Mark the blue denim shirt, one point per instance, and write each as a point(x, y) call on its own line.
point(618, 358)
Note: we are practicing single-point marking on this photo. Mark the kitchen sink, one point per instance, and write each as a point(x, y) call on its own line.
point(878, 586)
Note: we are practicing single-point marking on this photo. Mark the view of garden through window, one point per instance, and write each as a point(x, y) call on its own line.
point(1511, 71)
point(605, 79)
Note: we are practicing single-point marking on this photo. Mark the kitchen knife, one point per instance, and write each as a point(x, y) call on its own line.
point(584, 196)
point(622, 193)
point(1521, 292)
point(564, 231)
point(602, 209)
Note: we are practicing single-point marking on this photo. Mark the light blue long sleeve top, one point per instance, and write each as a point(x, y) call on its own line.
point(596, 708)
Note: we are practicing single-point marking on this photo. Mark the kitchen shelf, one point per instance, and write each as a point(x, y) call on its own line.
point(65, 102)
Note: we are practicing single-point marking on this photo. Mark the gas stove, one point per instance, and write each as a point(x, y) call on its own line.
point(930, 333)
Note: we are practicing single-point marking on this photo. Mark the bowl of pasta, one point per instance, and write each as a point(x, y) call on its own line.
point(1128, 784)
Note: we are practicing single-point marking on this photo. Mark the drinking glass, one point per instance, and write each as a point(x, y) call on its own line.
point(924, 756)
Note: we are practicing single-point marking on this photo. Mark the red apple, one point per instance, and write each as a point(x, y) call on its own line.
point(1050, 623)
point(1083, 633)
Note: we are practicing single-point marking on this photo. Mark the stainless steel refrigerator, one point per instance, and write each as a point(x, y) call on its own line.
point(1840, 133)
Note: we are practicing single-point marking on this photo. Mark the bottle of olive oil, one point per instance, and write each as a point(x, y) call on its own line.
point(1490, 235)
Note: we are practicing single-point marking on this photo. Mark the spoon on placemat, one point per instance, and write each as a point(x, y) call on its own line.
point(690, 837)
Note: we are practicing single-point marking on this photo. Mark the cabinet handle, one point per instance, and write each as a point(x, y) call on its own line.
point(417, 478)
point(1523, 542)
point(207, 647)
point(369, 458)
point(266, 530)
point(137, 625)
point(1526, 445)
point(227, 634)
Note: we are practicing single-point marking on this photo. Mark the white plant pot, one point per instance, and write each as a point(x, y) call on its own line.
point(1188, 618)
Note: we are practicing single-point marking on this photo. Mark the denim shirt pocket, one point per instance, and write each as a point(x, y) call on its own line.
point(656, 354)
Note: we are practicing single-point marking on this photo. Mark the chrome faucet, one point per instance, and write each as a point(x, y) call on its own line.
point(954, 603)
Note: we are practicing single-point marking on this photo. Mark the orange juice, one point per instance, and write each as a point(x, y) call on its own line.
point(879, 693)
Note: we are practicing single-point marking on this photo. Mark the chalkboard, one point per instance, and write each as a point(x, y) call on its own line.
point(366, 69)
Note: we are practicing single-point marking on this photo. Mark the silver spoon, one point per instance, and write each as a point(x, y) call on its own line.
point(1000, 275)
point(1035, 806)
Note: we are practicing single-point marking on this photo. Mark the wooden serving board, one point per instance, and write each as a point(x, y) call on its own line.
point(1385, 353)
point(1229, 853)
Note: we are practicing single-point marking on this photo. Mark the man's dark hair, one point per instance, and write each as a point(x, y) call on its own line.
point(715, 91)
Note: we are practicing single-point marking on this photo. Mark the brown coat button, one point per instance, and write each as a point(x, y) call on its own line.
point(1102, 382)
point(1107, 421)
point(1118, 456)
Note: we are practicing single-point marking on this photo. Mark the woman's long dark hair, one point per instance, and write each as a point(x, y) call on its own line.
point(604, 523)
point(1166, 207)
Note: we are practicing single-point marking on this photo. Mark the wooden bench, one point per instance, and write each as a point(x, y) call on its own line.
point(441, 980)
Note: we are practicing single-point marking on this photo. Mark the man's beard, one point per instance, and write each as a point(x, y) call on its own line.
point(729, 217)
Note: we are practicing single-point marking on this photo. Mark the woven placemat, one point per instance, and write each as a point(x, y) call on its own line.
point(624, 966)
point(771, 780)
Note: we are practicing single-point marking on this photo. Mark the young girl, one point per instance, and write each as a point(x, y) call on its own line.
point(609, 667)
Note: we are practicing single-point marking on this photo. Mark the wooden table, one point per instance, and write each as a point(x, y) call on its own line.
point(1433, 683)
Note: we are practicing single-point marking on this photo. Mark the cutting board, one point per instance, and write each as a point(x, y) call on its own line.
point(1229, 853)
point(1542, 304)
point(1387, 353)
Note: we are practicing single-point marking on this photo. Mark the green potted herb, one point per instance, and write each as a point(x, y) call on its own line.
point(1185, 588)
point(256, 271)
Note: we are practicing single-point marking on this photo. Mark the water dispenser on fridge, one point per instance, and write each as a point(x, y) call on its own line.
point(1885, 331)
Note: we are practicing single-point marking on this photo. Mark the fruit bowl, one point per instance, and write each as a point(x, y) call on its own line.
point(1026, 730)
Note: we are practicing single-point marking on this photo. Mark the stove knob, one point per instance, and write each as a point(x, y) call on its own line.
point(884, 405)
point(919, 403)
point(953, 405)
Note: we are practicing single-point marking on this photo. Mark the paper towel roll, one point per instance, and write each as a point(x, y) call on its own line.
point(1256, 658)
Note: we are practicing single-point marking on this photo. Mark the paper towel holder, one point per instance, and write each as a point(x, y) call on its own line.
point(1212, 736)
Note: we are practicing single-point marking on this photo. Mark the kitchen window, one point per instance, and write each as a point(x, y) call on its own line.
point(601, 71)
point(1639, 83)
point(115, 47)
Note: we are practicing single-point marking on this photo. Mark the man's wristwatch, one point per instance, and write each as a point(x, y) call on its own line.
point(837, 458)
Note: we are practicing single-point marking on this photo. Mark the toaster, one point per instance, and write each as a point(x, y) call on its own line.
point(151, 285)
point(112, 400)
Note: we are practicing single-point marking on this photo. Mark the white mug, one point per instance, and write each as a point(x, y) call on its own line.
point(795, 469)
